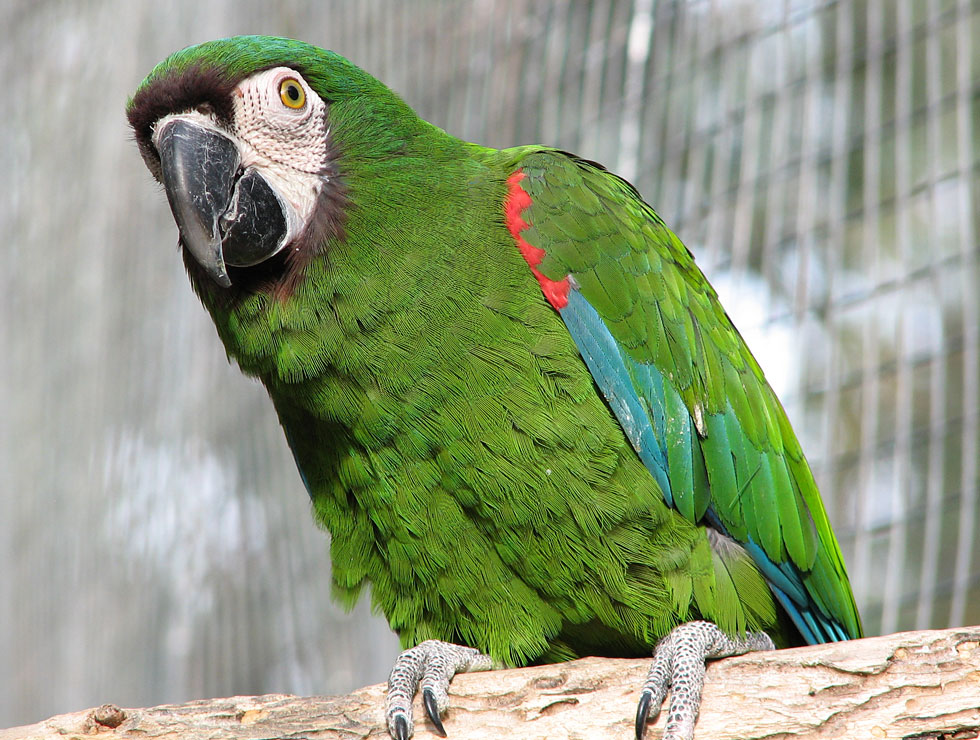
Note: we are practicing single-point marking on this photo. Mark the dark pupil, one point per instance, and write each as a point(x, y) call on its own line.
point(292, 92)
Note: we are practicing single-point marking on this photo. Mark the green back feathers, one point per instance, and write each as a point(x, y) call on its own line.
point(726, 440)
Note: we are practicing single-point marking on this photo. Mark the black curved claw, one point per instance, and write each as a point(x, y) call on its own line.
point(401, 727)
point(642, 713)
point(429, 699)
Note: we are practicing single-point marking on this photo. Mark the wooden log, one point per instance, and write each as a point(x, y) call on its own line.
point(920, 685)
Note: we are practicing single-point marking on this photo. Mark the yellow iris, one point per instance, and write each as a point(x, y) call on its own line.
point(292, 94)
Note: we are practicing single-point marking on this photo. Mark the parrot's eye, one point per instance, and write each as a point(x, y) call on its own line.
point(291, 93)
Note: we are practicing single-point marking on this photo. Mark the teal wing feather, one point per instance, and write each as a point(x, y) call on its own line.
point(686, 390)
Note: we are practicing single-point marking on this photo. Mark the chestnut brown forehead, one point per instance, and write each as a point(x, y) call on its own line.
point(189, 88)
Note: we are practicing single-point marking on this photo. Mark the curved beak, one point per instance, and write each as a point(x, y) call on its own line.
point(225, 216)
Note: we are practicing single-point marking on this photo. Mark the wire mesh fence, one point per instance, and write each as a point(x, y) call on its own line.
point(819, 158)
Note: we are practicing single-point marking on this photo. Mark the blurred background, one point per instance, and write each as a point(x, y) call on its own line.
point(819, 157)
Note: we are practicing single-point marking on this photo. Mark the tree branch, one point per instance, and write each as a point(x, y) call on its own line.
point(908, 685)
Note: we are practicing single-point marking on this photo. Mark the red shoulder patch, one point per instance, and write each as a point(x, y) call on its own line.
point(518, 200)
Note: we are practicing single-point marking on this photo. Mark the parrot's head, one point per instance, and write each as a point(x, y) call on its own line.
point(246, 135)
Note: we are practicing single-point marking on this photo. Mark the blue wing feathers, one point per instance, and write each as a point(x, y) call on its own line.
point(662, 431)
point(603, 358)
point(679, 457)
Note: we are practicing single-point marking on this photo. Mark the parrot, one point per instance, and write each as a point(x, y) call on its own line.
point(515, 402)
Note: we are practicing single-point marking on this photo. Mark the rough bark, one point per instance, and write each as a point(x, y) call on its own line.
point(908, 685)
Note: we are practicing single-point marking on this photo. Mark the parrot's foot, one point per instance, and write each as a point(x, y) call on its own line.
point(429, 666)
point(678, 665)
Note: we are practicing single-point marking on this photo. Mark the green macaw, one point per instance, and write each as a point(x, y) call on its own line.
point(515, 401)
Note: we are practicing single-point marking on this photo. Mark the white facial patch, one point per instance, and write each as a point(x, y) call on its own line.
point(287, 145)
